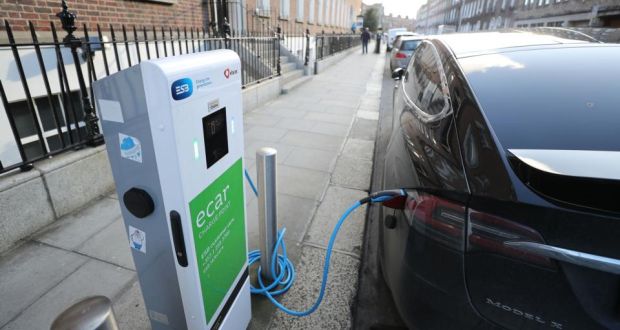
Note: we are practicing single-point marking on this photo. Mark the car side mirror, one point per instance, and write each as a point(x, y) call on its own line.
point(398, 73)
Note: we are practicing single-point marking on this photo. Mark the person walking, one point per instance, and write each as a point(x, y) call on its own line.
point(365, 39)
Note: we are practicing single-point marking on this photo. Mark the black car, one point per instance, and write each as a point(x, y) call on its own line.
point(508, 145)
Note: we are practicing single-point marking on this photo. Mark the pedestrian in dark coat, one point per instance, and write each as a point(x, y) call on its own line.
point(365, 39)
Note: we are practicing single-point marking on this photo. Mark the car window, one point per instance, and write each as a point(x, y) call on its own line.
point(424, 83)
point(396, 42)
point(409, 44)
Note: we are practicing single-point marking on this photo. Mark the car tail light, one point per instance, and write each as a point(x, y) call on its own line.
point(438, 219)
point(400, 55)
point(488, 233)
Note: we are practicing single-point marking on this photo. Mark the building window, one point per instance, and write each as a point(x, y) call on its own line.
point(319, 18)
point(262, 7)
point(300, 10)
point(326, 17)
point(285, 9)
point(310, 11)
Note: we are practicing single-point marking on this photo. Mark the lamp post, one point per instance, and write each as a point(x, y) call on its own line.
point(67, 18)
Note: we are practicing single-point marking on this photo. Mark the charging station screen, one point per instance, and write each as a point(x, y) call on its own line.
point(215, 135)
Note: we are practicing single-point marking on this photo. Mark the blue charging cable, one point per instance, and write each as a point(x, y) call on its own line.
point(286, 271)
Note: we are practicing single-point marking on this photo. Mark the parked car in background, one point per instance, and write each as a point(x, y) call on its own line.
point(508, 147)
point(404, 46)
point(391, 35)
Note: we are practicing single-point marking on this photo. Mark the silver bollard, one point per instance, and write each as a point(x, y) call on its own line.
point(267, 207)
point(92, 313)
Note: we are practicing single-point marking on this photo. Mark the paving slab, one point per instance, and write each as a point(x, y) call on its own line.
point(302, 182)
point(93, 278)
point(312, 140)
point(365, 114)
point(294, 214)
point(359, 148)
point(329, 117)
point(335, 311)
point(110, 245)
point(29, 273)
point(364, 129)
point(352, 173)
point(75, 229)
point(254, 118)
point(253, 145)
point(339, 130)
point(297, 124)
point(265, 133)
point(130, 311)
point(286, 112)
point(337, 200)
point(312, 159)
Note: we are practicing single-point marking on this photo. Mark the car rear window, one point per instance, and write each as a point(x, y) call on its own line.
point(409, 44)
point(555, 98)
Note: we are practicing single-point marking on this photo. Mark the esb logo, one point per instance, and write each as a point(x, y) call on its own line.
point(181, 89)
point(228, 72)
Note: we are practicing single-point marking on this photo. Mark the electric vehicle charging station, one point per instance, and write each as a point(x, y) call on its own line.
point(174, 136)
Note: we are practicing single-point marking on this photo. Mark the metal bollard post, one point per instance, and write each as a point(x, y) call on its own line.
point(92, 313)
point(267, 207)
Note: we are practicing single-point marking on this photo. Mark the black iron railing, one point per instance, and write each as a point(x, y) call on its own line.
point(46, 94)
point(330, 44)
point(289, 31)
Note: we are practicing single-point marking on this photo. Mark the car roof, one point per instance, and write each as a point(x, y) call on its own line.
point(414, 37)
point(472, 44)
point(547, 93)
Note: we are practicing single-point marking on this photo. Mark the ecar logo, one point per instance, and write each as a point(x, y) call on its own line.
point(181, 89)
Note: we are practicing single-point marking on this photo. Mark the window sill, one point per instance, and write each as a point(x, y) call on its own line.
point(164, 2)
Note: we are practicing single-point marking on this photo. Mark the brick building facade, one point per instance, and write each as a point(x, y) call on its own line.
point(243, 15)
point(475, 15)
point(105, 12)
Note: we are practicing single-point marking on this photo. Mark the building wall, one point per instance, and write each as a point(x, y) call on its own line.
point(328, 15)
point(568, 13)
point(336, 15)
point(475, 15)
point(390, 21)
point(104, 12)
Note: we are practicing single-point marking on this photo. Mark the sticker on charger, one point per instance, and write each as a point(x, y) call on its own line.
point(131, 148)
point(137, 239)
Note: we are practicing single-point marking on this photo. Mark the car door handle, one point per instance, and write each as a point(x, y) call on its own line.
point(605, 264)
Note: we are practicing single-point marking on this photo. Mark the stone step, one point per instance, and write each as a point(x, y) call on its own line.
point(290, 76)
point(283, 59)
point(286, 88)
point(287, 67)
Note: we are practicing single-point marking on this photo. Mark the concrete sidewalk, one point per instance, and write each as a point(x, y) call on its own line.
point(324, 132)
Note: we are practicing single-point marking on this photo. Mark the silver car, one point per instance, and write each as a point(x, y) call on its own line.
point(404, 46)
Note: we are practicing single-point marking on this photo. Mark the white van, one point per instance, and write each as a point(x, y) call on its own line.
point(391, 35)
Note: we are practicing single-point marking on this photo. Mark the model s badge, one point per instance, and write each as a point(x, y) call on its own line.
point(181, 89)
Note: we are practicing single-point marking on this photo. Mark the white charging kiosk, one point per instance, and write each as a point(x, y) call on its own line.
point(174, 135)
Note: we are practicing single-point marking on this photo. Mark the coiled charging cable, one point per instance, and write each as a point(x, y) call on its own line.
point(285, 271)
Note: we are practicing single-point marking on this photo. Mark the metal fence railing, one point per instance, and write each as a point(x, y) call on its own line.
point(330, 44)
point(46, 86)
point(291, 33)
